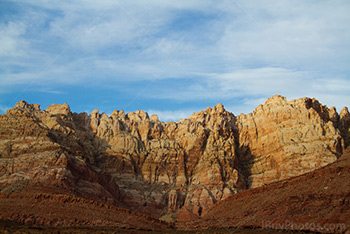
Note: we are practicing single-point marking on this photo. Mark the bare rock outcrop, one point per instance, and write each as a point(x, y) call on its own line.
point(195, 154)
point(281, 139)
point(166, 169)
point(39, 151)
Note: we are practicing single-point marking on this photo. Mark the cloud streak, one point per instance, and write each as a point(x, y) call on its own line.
point(235, 52)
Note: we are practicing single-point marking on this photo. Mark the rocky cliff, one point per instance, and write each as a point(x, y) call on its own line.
point(169, 170)
point(315, 202)
point(282, 139)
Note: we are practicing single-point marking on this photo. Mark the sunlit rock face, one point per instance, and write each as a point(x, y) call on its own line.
point(282, 139)
point(162, 167)
point(166, 169)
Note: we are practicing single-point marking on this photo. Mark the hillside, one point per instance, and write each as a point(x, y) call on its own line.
point(167, 171)
point(318, 201)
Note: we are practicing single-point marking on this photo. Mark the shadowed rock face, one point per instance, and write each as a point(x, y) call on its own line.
point(165, 169)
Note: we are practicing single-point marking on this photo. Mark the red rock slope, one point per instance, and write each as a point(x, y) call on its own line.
point(61, 210)
point(317, 201)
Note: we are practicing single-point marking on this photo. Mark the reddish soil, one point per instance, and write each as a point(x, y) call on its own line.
point(63, 210)
point(317, 201)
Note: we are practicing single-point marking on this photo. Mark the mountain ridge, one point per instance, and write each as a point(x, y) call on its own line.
point(167, 170)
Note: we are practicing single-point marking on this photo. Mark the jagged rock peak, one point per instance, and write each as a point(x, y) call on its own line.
point(154, 118)
point(276, 99)
point(120, 114)
point(219, 108)
point(215, 111)
point(24, 105)
point(143, 115)
point(344, 113)
point(95, 113)
point(137, 116)
point(62, 109)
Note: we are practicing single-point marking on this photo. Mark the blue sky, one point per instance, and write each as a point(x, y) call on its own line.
point(173, 58)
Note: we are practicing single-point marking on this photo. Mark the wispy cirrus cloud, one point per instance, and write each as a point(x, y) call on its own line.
point(189, 53)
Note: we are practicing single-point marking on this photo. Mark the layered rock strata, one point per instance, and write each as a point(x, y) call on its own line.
point(165, 169)
point(282, 139)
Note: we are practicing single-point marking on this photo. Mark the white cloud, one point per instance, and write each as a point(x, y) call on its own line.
point(243, 90)
point(237, 83)
point(240, 51)
point(262, 81)
point(12, 45)
point(303, 35)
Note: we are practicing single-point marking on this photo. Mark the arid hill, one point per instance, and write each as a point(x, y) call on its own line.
point(168, 171)
point(318, 201)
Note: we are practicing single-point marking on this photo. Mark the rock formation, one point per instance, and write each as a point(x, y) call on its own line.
point(165, 169)
point(39, 150)
point(162, 167)
point(316, 202)
point(282, 139)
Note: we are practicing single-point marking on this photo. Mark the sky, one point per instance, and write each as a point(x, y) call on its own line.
point(173, 58)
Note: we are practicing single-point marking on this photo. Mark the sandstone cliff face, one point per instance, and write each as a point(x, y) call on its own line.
point(165, 169)
point(162, 167)
point(39, 151)
point(282, 139)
